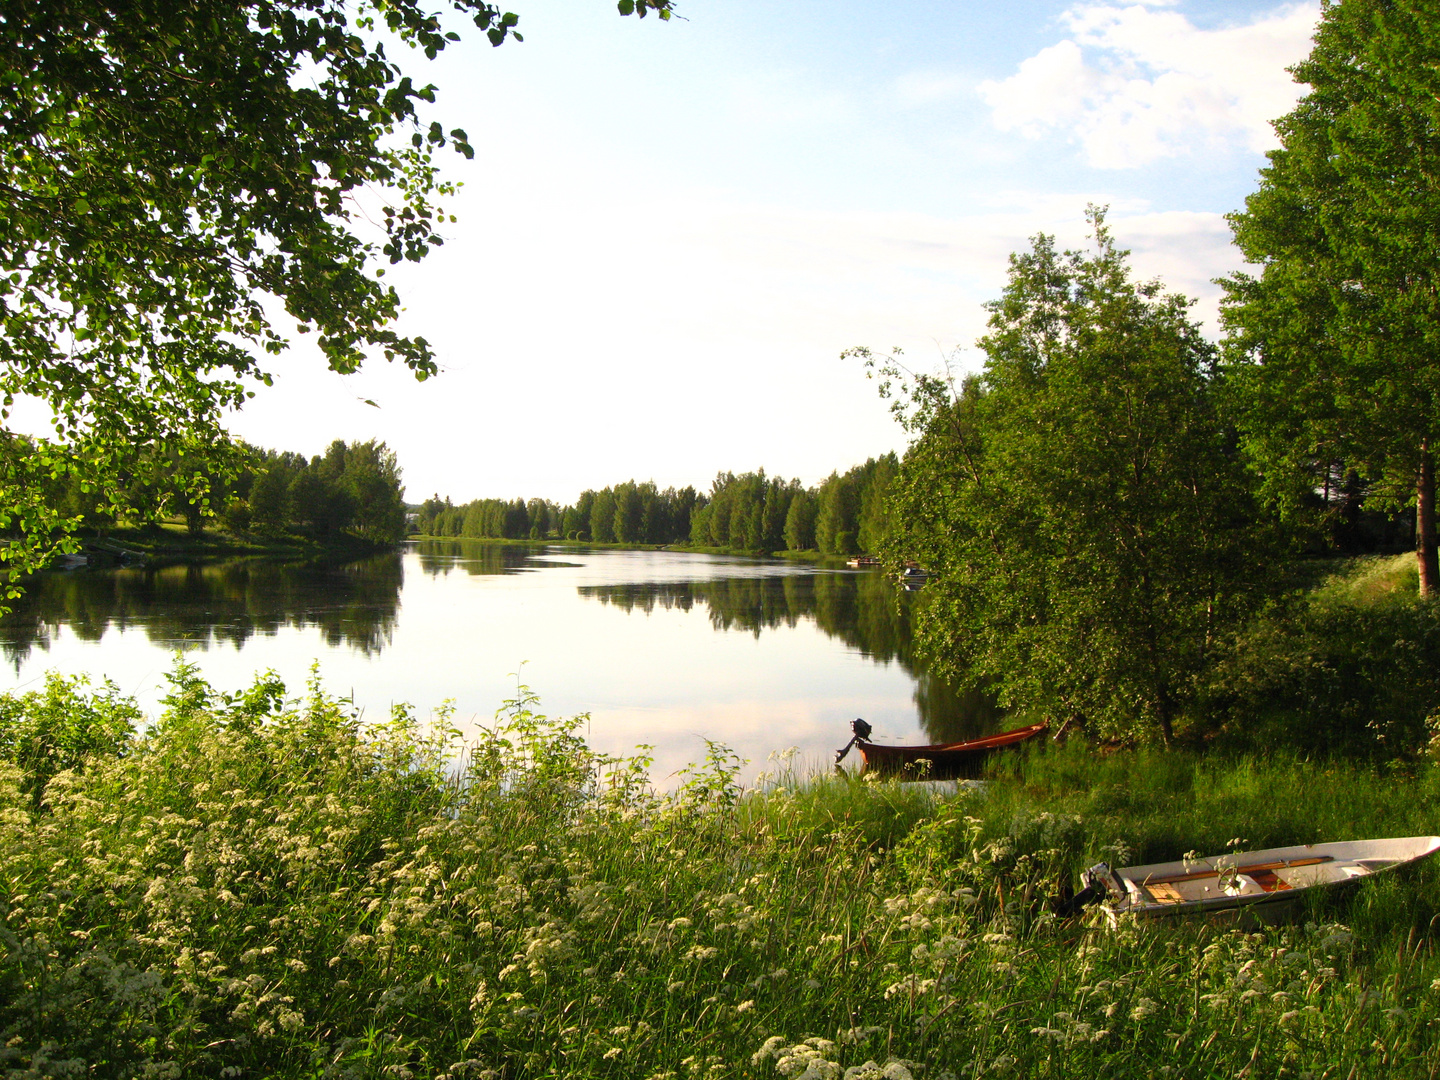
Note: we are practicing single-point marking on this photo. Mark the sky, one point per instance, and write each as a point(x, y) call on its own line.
point(672, 230)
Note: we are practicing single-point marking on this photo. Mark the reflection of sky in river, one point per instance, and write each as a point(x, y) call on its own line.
point(666, 677)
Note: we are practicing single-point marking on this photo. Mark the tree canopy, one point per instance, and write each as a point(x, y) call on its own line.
point(1079, 502)
point(175, 171)
point(1335, 340)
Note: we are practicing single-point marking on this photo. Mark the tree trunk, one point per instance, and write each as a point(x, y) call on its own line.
point(1425, 553)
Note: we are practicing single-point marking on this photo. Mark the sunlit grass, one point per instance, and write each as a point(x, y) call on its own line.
point(261, 887)
point(1372, 579)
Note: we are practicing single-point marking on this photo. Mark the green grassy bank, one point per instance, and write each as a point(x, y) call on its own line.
point(172, 541)
point(257, 886)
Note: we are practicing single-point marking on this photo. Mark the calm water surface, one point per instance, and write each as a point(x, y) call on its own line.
point(664, 648)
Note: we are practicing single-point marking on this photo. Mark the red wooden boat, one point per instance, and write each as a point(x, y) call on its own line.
point(947, 761)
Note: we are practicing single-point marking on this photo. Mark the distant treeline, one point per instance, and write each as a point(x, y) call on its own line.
point(843, 515)
point(353, 489)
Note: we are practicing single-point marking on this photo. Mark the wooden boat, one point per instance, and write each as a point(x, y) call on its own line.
point(1258, 882)
point(947, 761)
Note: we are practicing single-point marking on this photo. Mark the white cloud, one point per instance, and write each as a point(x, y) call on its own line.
point(1135, 83)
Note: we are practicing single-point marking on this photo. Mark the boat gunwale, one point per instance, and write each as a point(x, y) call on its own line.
point(987, 742)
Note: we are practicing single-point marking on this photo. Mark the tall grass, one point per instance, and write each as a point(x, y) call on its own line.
point(256, 886)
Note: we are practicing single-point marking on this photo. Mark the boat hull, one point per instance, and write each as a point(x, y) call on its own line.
point(1261, 883)
point(943, 761)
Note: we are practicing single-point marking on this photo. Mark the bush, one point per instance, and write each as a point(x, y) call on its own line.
point(1331, 677)
point(46, 732)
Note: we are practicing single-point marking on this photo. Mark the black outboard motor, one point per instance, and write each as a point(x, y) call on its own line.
point(862, 734)
point(1096, 882)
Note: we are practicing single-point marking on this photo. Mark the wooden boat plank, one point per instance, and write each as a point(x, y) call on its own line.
point(1250, 869)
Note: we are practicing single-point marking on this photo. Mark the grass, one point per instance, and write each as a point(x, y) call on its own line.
point(259, 886)
point(1371, 580)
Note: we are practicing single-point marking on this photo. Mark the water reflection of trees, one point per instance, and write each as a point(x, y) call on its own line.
point(865, 611)
point(353, 603)
point(439, 557)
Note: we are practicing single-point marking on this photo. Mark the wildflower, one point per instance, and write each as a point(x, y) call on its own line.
point(612, 1053)
point(770, 1049)
point(1289, 1017)
point(1143, 1008)
point(677, 985)
point(745, 1006)
point(910, 985)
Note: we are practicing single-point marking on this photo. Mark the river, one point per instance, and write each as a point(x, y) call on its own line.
point(661, 648)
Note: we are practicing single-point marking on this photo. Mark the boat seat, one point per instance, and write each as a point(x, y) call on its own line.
point(1246, 885)
point(1268, 880)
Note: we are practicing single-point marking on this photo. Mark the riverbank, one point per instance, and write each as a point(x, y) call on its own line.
point(274, 890)
point(811, 556)
point(171, 542)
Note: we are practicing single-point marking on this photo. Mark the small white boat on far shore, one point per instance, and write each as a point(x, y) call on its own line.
point(1246, 879)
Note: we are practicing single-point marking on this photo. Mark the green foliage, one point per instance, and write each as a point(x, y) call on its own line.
point(266, 886)
point(1334, 344)
point(749, 513)
point(353, 489)
point(1351, 667)
point(1091, 530)
point(176, 173)
point(47, 732)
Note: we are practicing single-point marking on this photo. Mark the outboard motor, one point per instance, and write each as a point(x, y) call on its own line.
point(861, 734)
point(1096, 882)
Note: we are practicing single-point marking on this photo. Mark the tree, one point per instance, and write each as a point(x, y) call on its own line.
point(1336, 343)
point(371, 478)
point(875, 502)
point(165, 168)
point(602, 517)
point(800, 522)
point(837, 513)
point(1080, 502)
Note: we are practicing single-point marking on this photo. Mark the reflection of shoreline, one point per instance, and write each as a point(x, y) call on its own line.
point(210, 604)
point(438, 557)
point(865, 611)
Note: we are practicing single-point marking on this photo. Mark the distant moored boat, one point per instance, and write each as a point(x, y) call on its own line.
point(941, 761)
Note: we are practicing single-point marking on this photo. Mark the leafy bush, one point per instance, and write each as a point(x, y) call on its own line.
point(48, 731)
point(1329, 677)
